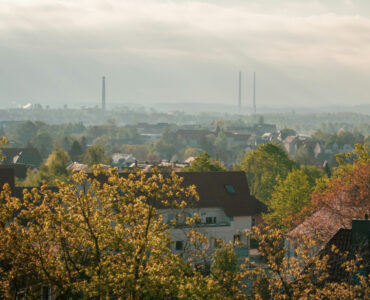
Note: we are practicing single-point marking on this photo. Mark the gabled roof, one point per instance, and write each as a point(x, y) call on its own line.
point(290, 139)
point(12, 155)
point(213, 193)
point(342, 240)
point(228, 190)
point(117, 156)
point(322, 225)
point(192, 133)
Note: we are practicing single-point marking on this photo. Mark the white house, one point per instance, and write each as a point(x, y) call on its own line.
point(122, 160)
point(225, 209)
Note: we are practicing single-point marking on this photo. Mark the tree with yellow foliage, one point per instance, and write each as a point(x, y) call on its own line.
point(305, 274)
point(93, 238)
point(102, 235)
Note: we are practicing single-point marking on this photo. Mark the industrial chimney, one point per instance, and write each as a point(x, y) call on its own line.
point(240, 93)
point(103, 94)
point(254, 93)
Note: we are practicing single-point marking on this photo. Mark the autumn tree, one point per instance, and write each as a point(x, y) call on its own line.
point(302, 275)
point(263, 167)
point(55, 167)
point(95, 238)
point(204, 163)
point(102, 235)
point(3, 141)
point(345, 195)
point(226, 273)
point(291, 198)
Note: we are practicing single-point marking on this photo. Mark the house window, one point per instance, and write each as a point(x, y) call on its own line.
point(45, 293)
point(253, 244)
point(169, 218)
point(20, 295)
point(179, 245)
point(254, 222)
point(230, 189)
point(236, 238)
point(203, 268)
point(210, 220)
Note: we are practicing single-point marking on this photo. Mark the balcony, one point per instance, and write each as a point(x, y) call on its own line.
point(241, 251)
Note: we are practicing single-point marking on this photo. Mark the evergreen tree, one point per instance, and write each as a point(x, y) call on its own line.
point(76, 151)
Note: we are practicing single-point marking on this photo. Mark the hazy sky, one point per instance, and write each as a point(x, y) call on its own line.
point(304, 52)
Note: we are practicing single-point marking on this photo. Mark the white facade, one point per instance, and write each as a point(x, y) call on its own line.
point(214, 224)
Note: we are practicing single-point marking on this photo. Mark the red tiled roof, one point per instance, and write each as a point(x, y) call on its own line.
point(289, 139)
point(322, 225)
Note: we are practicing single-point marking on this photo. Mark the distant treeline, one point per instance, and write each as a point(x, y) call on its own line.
point(302, 123)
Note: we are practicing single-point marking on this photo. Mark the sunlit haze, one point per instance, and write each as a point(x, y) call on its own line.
point(305, 53)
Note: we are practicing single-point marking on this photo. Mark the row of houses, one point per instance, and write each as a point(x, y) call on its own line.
point(195, 138)
point(294, 142)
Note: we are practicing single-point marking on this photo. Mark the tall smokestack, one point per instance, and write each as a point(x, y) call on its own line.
point(240, 93)
point(103, 94)
point(254, 93)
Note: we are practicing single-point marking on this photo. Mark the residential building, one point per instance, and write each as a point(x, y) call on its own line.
point(225, 208)
point(193, 137)
point(349, 242)
point(122, 160)
point(27, 156)
point(290, 144)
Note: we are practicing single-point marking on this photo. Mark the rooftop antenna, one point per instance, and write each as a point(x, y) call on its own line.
point(240, 93)
point(103, 94)
point(254, 95)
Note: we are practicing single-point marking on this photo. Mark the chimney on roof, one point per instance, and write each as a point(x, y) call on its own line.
point(361, 232)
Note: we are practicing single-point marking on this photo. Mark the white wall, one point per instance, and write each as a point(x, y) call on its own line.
point(224, 229)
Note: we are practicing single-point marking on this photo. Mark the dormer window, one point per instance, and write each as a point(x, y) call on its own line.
point(230, 189)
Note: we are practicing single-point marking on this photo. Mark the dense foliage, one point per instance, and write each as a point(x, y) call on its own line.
point(291, 198)
point(204, 163)
point(346, 193)
point(100, 236)
point(264, 167)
